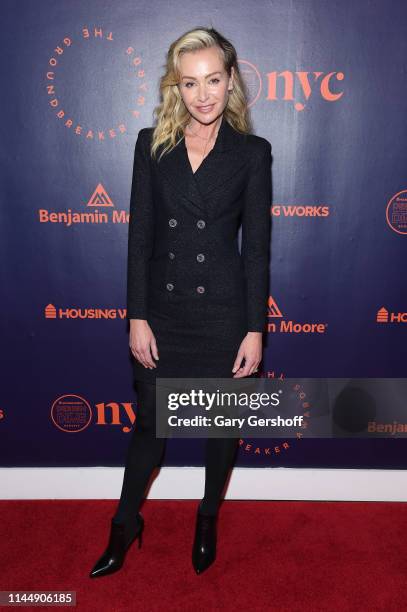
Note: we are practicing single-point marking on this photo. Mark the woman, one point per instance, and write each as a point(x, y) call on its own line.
point(197, 308)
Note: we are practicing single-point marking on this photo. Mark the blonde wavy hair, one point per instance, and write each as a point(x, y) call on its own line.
point(171, 114)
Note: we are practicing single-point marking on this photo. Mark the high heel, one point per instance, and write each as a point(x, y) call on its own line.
point(204, 547)
point(119, 543)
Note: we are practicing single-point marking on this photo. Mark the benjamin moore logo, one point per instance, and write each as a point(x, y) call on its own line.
point(99, 199)
point(51, 312)
point(396, 212)
point(384, 316)
point(288, 326)
point(280, 210)
point(281, 85)
point(112, 65)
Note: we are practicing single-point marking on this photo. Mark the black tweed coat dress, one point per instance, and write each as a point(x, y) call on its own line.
point(186, 275)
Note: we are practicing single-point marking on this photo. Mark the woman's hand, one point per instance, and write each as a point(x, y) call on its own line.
point(142, 343)
point(251, 350)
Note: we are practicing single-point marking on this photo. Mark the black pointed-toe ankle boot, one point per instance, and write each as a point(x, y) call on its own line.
point(204, 547)
point(121, 537)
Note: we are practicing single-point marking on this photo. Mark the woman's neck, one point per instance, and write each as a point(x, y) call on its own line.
point(200, 130)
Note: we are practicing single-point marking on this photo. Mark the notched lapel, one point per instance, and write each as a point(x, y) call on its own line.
point(223, 162)
point(173, 167)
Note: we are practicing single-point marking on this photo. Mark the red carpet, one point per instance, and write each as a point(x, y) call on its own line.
point(282, 556)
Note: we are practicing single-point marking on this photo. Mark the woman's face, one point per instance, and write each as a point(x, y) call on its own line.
point(204, 83)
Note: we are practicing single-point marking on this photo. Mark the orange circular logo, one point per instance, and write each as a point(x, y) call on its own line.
point(71, 413)
point(396, 212)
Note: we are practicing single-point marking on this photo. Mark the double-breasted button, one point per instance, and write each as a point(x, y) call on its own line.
point(170, 286)
point(171, 255)
point(200, 289)
point(200, 223)
point(172, 222)
point(200, 257)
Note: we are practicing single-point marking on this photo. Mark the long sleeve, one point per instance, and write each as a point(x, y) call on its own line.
point(255, 249)
point(141, 231)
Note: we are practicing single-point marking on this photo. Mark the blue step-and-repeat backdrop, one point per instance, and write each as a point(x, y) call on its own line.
point(328, 89)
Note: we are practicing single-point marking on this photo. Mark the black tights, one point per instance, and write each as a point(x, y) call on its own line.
point(145, 452)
